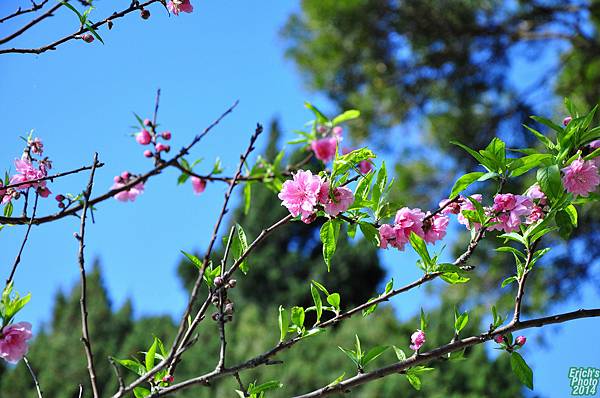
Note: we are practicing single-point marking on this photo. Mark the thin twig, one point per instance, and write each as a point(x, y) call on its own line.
point(222, 297)
point(32, 23)
point(20, 11)
point(117, 373)
point(85, 335)
point(52, 177)
point(34, 377)
point(143, 178)
point(18, 258)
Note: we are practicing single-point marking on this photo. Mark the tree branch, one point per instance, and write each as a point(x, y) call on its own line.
point(34, 377)
point(85, 335)
point(20, 11)
point(18, 258)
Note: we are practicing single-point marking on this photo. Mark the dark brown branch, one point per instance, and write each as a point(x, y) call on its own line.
point(113, 192)
point(51, 177)
point(75, 35)
point(34, 377)
point(222, 296)
point(20, 11)
point(85, 335)
point(32, 23)
point(18, 258)
point(446, 349)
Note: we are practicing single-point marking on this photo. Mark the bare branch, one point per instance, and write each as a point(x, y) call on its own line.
point(32, 23)
point(34, 377)
point(20, 11)
point(85, 335)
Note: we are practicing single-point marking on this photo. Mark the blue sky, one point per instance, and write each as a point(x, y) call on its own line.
point(80, 99)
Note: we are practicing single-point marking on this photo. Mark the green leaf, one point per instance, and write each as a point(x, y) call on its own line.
point(133, 365)
point(329, 234)
point(320, 287)
point(241, 235)
point(141, 392)
point(269, 385)
point(352, 355)
point(543, 139)
point(420, 247)
point(283, 323)
point(344, 117)
point(461, 322)
point(473, 153)
point(89, 26)
point(150, 355)
point(298, 315)
point(334, 300)
point(318, 302)
point(373, 353)
point(346, 162)
point(370, 233)
point(508, 281)
point(424, 320)
point(399, 353)
point(549, 180)
point(321, 118)
point(194, 260)
point(414, 381)
point(521, 369)
point(463, 182)
point(564, 223)
point(247, 197)
point(548, 123)
point(8, 209)
point(572, 213)
point(523, 165)
point(454, 277)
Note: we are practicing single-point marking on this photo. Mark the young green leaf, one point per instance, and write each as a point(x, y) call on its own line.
point(329, 234)
point(317, 299)
point(521, 369)
point(283, 323)
point(463, 182)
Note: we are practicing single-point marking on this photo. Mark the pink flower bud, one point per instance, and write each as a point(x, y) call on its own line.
point(145, 14)
point(567, 120)
point(147, 122)
point(88, 38)
point(337, 131)
point(166, 135)
point(160, 147)
point(60, 197)
point(321, 129)
point(148, 153)
point(125, 175)
point(520, 340)
point(499, 339)
point(168, 379)
point(117, 179)
point(143, 137)
point(167, 148)
point(417, 339)
point(198, 185)
point(61, 205)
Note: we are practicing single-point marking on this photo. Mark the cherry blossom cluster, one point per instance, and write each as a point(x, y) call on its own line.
point(149, 136)
point(28, 168)
point(430, 228)
point(306, 193)
point(130, 194)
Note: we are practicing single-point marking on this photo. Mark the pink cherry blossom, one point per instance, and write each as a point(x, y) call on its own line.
point(198, 185)
point(143, 137)
point(337, 132)
point(581, 177)
point(410, 220)
point(510, 209)
point(36, 146)
point(417, 339)
point(465, 204)
point(435, 228)
point(537, 213)
point(520, 340)
point(177, 6)
point(593, 146)
point(148, 153)
point(13, 341)
point(130, 194)
point(301, 195)
point(26, 172)
point(342, 199)
point(324, 148)
point(534, 192)
point(387, 236)
point(43, 192)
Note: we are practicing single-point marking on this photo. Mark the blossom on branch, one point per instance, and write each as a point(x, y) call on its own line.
point(417, 339)
point(13, 341)
point(301, 195)
point(177, 6)
point(581, 177)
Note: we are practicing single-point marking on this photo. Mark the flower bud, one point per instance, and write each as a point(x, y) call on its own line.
point(117, 179)
point(520, 340)
point(125, 175)
point(214, 299)
point(168, 379)
point(232, 283)
point(143, 137)
point(567, 120)
point(321, 129)
point(229, 309)
point(499, 339)
point(160, 147)
point(148, 153)
point(337, 131)
point(145, 14)
point(147, 122)
point(88, 38)
point(218, 281)
point(215, 317)
point(60, 197)
point(61, 205)
point(167, 148)
point(166, 135)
